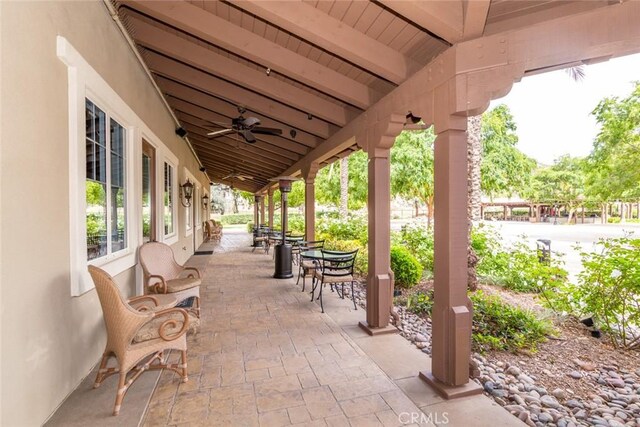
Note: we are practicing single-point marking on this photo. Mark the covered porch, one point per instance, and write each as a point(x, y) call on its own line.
point(188, 80)
point(265, 355)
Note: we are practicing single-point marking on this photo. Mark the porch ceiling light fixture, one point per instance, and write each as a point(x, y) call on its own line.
point(186, 192)
point(205, 201)
point(413, 119)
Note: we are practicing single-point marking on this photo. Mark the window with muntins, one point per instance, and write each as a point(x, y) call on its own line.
point(105, 186)
point(168, 199)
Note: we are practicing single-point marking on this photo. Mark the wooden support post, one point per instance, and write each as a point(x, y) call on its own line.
point(309, 174)
point(271, 208)
point(452, 310)
point(377, 142)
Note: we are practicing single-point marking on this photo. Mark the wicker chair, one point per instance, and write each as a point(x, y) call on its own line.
point(162, 274)
point(133, 335)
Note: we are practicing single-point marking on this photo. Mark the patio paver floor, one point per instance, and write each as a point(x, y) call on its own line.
point(266, 356)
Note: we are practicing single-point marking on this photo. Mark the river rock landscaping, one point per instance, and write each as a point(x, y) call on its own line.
point(573, 379)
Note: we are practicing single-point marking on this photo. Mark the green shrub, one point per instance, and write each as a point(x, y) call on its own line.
point(352, 228)
point(500, 326)
point(418, 239)
point(616, 220)
point(250, 227)
point(361, 265)
point(608, 290)
point(420, 303)
point(406, 268)
point(296, 224)
point(496, 324)
point(236, 219)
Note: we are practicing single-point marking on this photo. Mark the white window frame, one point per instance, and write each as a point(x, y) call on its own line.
point(173, 236)
point(128, 172)
point(84, 82)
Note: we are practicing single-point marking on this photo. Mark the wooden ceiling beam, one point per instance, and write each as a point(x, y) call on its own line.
point(201, 130)
point(244, 187)
point(443, 18)
point(228, 157)
point(329, 33)
point(263, 148)
point(207, 102)
point(235, 94)
point(220, 32)
point(215, 144)
point(223, 163)
point(152, 37)
point(475, 18)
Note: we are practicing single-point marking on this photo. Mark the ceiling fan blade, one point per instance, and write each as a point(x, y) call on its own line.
point(248, 136)
point(219, 133)
point(268, 131)
point(250, 122)
point(241, 177)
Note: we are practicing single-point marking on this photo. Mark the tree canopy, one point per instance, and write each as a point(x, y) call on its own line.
point(504, 169)
point(412, 167)
point(328, 182)
point(613, 167)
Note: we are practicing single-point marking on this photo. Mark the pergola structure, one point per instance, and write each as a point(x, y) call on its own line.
point(338, 76)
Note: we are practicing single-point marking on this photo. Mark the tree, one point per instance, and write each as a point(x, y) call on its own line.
point(613, 167)
point(328, 182)
point(561, 183)
point(505, 170)
point(344, 187)
point(412, 168)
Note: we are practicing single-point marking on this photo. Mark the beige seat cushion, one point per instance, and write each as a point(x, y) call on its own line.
point(177, 285)
point(309, 264)
point(151, 330)
point(334, 279)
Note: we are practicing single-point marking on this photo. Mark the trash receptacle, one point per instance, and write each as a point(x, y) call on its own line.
point(544, 250)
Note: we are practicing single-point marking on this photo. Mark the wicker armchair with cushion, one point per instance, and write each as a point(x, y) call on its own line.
point(139, 337)
point(163, 275)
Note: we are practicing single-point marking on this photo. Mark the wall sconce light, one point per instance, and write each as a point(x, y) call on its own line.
point(205, 201)
point(186, 192)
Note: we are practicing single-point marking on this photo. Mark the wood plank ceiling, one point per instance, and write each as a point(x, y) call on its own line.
point(306, 67)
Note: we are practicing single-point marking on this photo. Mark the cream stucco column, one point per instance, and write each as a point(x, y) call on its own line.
point(377, 142)
point(309, 174)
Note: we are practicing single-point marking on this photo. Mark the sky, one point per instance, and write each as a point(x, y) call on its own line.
point(552, 111)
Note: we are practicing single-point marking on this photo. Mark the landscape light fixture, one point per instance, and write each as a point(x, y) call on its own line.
point(413, 119)
point(186, 192)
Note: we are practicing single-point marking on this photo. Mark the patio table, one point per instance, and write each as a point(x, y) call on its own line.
point(317, 254)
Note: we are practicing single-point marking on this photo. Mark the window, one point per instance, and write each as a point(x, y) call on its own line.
point(168, 199)
point(105, 184)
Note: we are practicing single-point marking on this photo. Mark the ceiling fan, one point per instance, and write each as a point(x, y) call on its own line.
point(246, 128)
point(239, 176)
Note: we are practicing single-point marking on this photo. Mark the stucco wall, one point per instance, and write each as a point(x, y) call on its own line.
point(50, 340)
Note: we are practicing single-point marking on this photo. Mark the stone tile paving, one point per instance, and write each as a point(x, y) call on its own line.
point(266, 356)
